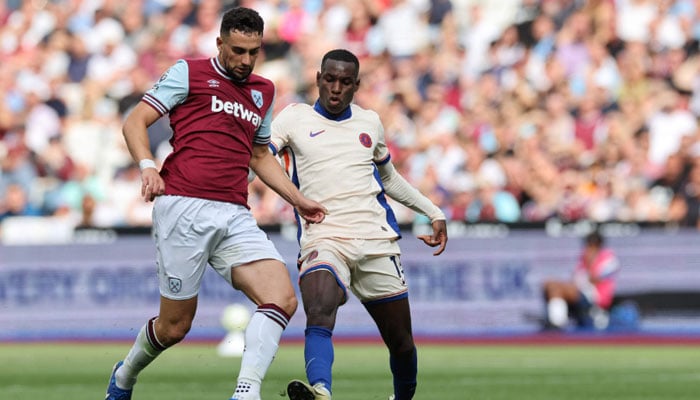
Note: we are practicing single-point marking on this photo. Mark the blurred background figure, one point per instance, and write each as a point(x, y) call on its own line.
point(589, 293)
point(15, 203)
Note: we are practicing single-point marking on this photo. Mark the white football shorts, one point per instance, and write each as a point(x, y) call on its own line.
point(191, 233)
point(370, 268)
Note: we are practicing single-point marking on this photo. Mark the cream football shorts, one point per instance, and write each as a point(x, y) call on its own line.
point(191, 233)
point(370, 268)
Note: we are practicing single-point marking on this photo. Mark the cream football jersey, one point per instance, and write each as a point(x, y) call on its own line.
point(334, 161)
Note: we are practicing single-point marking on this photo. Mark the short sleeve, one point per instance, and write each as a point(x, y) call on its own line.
point(171, 89)
point(280, 129)
point(262, 135)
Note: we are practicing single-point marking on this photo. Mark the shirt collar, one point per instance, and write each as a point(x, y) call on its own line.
point(347, 113)
point(222, 71)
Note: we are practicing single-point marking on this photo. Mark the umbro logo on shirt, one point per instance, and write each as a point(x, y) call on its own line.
point(314, 134)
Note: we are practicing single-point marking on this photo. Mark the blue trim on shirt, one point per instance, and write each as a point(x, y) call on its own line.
point(381, 198)
point(273, 148)
point(295, 180)
point(346, 114)
point(384, 161)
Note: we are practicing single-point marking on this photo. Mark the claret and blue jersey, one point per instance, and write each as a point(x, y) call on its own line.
point(215, 120)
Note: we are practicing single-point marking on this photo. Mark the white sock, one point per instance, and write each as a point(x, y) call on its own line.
point(262, 337)
point(557, 311)
point(140, 355)
point(321, 388)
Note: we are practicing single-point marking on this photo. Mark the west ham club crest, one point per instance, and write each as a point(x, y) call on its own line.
point(257, 98)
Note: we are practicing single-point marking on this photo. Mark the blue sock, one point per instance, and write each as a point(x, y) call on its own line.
point(404, 368)
point(318, 354)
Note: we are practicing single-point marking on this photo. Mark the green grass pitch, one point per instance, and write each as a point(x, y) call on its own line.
point(61, 371)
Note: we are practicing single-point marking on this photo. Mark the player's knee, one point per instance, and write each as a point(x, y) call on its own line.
point(401, 344)
point(173, 333)
point(320, 314)
point(289, 304)
point(316, 309)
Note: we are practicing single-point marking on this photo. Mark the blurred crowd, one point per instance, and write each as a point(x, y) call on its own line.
point(508, 111)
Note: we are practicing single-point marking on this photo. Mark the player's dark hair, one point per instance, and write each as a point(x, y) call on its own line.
point(242, 19)
point(594, 239)
point(341, 55)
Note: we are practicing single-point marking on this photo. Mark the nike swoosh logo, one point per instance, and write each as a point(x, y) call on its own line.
point(314, 134)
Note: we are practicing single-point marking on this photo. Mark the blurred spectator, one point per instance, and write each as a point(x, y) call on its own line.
point(559, 130)
point(402, 30)
point(42, 122)
point(15, 203)
point(668, 124)
point(589, 292)
point(492, 204)
point(335, 16)
point(112, 58)
point(357, 33)
point(672, 179)
point(295, 21)
point(477, 36)
point(78, 59)
point(462, 189)
point(590, 125)
point(54, 161)
point(16, 164)
point(686, 204)
point(634, 19)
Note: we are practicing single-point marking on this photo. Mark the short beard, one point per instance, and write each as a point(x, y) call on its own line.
point(239, 78)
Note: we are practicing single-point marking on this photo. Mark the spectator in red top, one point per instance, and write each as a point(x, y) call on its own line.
point(590, 289)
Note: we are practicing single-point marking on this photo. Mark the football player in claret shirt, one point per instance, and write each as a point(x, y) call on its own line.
point(220, 113)
point(335, 152)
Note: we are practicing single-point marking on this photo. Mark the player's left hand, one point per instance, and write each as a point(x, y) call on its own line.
point(312, 212)
point(438, 238)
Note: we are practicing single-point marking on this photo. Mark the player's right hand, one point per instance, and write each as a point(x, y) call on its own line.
point(438, 238)
point(152, 184)
point(312, 211)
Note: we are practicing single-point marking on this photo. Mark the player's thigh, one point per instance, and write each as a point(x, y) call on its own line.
point(181, 254)
point(569, 292)
point(324, 273)
point(562, 289)
point(264, 281)
point(245, 254)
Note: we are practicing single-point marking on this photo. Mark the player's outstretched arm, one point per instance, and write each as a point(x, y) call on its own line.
point(135, 131)
point(400, 190)
point(438, 238)
point(268, 169)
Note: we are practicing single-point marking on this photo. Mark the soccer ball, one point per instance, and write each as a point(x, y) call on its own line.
point(235, 317)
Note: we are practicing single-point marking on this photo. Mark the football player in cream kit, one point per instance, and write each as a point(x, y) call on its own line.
point(335, 152)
